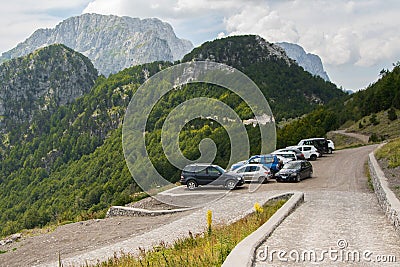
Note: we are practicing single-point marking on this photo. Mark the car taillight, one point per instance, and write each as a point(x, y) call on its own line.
point(302, 155)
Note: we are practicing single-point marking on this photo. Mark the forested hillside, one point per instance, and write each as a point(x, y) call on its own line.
point(290, 91)
point(41, 175)
point(68, 164)
point(383, 95)
point(41, 82)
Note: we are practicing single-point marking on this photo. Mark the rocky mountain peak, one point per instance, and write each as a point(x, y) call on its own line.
point(239, 51)
point(111, 42)
point(42, 80)
point(310, 62)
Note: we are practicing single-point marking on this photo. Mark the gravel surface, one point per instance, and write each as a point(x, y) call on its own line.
point(344, 211)
point(337, 190)
point(74, 239)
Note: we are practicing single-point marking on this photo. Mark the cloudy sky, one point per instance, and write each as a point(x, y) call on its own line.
point(355, 39)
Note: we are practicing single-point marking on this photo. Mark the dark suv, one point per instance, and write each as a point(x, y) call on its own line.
point(194, 175)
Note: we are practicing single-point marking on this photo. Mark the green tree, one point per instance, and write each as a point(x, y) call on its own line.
point(392, 114)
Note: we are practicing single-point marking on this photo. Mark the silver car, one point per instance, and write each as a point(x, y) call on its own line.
point(254, 173)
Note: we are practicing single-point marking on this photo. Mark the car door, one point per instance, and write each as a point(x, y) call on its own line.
point(252, 173)
point(244, 172)
point(305, 171)
point(201, 175)
point(307, 151)
point(249, 173)
point(268, 162)
point(213, 174)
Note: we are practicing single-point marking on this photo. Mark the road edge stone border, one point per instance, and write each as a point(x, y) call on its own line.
point(386, 198)
point(243, 254)
point(137, 212)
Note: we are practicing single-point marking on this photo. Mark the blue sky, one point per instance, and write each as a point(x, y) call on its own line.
point(355, 39)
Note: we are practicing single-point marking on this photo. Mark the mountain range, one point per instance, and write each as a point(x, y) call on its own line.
point(61, 153)
point(111, 42)
point(66, 162)
point(114, 43)
point(310, 62)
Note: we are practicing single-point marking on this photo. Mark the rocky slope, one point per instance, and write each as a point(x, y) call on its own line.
point(239, 51)
point(43, 80)
point(310, 62)
point(289, 89)
point(111, 42)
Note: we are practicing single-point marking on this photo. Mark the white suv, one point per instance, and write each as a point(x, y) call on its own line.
point(285, 156)
point(310, 152)
point(331, 146)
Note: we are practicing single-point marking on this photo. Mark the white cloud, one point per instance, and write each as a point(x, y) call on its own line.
point(341, 32)
point(261, 20)
point(20, 18)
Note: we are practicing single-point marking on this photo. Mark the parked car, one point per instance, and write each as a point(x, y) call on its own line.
point(310, 152)
point(289, 156)
point(254, 173)
point(298, 152)
point(270, 161)
point(282, 161)
point(321, 144)
point(294, 171)
point(331, 146)
point(194, 175)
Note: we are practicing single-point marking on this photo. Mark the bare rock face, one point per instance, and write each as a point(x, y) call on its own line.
point(310, 62)
point(111, 42)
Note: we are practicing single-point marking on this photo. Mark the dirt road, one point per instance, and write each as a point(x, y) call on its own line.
point(362, 137)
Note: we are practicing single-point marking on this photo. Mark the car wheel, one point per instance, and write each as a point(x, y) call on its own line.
point(313, 157)
point(191, 184)
point(310, 174)
point(230, 184)
point(298, 179)
point(262, 179)
point(330, 150)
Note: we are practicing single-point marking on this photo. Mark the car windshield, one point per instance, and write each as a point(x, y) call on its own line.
point(254, 160)
point(220, 169)
point(292, 165)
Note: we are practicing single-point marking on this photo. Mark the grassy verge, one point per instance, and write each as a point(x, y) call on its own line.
point(369, 178)
point(382, 127)
point(389, 157)
point(390, 152)
point(208, 249)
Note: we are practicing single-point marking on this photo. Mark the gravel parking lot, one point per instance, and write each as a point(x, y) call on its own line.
point(342, 171)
